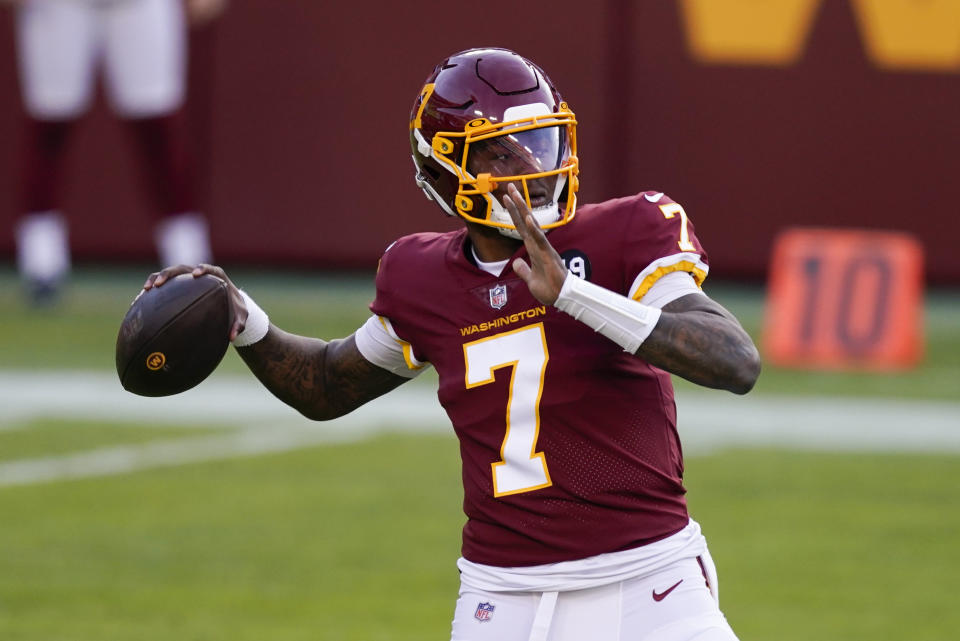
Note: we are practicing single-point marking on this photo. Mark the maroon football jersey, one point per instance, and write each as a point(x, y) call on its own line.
point(569, 444)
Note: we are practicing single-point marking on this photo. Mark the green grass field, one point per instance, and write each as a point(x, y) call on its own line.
point(357, 541)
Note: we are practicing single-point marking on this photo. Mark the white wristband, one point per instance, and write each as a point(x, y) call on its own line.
point(257, 324)
point(623, 320)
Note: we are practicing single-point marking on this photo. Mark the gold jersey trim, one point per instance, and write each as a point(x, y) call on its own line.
point(699, 275)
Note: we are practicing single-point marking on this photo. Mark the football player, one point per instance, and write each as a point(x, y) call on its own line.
point(554, 329)
point(141, 47)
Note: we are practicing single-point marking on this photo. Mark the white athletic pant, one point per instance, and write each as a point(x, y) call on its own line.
point(140, 45)
point(673, 604)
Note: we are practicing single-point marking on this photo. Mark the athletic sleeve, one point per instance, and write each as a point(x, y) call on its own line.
point(669, 288)
point(380, 345)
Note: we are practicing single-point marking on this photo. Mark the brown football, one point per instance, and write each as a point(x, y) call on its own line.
point(174, 336)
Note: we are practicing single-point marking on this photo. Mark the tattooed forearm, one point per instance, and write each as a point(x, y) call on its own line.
point(700, 341)
point(320, 379)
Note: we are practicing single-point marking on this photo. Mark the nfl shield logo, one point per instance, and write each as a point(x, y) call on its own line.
point(484, 611)
point(498, 296)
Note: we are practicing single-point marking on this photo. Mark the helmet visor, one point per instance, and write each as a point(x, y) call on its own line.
point(531, 151)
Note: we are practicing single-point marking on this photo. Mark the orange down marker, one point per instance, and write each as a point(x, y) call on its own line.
point(844, 299)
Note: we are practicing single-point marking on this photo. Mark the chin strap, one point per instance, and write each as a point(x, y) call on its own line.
point(543, 217)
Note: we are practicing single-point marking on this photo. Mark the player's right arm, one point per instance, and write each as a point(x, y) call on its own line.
point(692, 336)
point(320, 379)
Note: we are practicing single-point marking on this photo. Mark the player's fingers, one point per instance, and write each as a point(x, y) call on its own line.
point(514, 210)
point(213, 270)
point(522, 269)
point(151, 279)
point(207, 268)
point(531, 228)
point(240, 314)
point(524, 222)
point(240, 311)
point(238, 326)
point(157, 279)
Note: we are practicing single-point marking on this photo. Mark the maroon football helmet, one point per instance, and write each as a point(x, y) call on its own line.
point(486, 118)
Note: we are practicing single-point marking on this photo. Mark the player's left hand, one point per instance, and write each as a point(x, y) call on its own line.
point(545, 273)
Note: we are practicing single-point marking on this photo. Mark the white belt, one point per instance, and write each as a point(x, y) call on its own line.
point(541, 621)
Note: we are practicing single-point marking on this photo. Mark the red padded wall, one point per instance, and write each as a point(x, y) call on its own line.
point(300, 110)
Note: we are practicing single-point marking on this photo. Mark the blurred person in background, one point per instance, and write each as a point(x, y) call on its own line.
point(553, 331)
point(140, 46)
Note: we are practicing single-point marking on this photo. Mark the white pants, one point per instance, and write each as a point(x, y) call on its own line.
point(141, 45)
point(673, 604)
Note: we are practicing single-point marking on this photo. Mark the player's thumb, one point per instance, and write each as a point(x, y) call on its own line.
point(522, 269)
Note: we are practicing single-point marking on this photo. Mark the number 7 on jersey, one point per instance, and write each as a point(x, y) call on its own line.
point(669, 211)
point(520, 468)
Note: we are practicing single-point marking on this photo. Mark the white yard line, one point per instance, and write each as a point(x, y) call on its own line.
point(262, 424)
point(710, 420)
